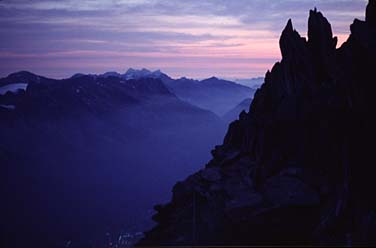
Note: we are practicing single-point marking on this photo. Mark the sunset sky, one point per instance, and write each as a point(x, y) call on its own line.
point(193, 38)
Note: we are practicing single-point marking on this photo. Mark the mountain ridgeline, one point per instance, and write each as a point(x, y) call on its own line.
point(298, 168)
point(216, 95)
point(89, 155)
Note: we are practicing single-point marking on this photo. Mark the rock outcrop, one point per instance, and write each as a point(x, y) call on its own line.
point(299, 167)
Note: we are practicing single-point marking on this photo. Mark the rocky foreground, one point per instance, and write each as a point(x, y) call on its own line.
point(299, 168)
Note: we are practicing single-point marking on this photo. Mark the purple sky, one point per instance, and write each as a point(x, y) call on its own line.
point(193, 38)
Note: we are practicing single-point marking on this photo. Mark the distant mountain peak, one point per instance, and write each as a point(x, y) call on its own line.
point(77, 75)
point(157, 72)
point(143, 73)
point(111, 74)
point(24, 77)
point(145, 70)
point(213, 78)
point(130, 70)
point(22, 74)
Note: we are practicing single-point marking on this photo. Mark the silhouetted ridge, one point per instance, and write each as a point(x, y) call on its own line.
point(23, 76)
point(298, 168)
point(70, 147)
point(322, 44)
point(371, 13)
point(320, 34)
point(290, 41)
point(214, 94)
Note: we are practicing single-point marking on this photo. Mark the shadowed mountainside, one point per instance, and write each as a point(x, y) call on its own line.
point(86, 156)
point(216, 95)
point(299, 167)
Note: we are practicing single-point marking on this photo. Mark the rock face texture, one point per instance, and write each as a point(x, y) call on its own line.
point(299, 167)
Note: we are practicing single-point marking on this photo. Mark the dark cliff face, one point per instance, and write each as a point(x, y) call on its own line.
point(299, 167)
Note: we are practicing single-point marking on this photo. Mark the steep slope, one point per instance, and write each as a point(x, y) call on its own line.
point(234, 113)
point(298, 168)
point(253, 83)
point(80, 156)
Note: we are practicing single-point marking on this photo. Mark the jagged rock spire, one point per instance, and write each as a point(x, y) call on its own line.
point(320, 33)
point(286, 34)
point(371, 12)
point(309, 121)
point(289, 27)
point(290, 40)
point(322, 44)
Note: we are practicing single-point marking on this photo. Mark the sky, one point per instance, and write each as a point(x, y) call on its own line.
point(192, 38)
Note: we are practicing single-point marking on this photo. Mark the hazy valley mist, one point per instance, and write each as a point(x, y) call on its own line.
point(242, 131)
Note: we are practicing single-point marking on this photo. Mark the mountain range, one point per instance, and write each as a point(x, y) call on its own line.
point(75, 152)
point(253, 83)
point(216, 95)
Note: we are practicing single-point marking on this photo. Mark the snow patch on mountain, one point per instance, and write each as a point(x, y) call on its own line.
point(143, 73)
point(9, 107)
point(13, 88)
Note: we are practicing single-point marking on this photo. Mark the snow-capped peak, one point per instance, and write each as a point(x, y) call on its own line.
point(143, 73)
